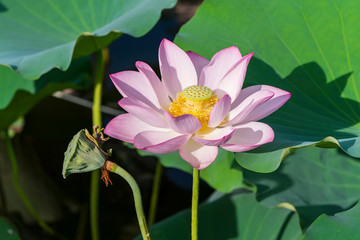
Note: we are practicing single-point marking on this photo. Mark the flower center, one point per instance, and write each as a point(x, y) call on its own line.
point(195, 100)
point(197, 93)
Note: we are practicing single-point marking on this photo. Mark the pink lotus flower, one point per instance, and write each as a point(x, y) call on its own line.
point(197, 107)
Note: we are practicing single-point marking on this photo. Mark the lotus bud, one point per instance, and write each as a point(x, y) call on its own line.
point(83, 154)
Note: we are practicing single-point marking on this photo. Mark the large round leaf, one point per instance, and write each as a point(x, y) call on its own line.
point(38, 36)
point(344, 225)
point(237, 217)
point(314, 180)
point(309, 48)
point(221, 174)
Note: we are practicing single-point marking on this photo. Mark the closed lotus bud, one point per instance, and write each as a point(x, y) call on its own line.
point(82, 154)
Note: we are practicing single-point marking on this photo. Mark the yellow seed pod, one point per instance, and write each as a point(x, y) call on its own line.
point(197, 93)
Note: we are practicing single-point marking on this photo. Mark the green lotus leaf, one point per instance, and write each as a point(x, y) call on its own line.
point(314, 180)
point(344, 225)
point(38, 36)
point(238, 217)
point(309, 48)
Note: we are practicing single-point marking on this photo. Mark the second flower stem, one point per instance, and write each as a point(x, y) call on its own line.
point(96, 116)
point(94, 204)
point(155, 193)
point(194, 205)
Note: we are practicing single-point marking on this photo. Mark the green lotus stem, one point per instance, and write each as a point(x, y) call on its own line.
point(194, 207)
point(83, 218)
point(155, 193)
point(112, 167)
point(2, 201)
point(96, 118)
point(94, 204)
point(15, 176)
point(2, 205)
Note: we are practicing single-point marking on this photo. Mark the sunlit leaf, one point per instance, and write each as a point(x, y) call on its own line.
point(37, 37)
point(309, 48)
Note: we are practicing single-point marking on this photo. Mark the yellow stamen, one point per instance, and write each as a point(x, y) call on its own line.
point(195, 100)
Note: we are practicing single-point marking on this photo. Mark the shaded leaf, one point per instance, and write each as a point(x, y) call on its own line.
point(314, 180)
point(344, 225)
point(76, 77)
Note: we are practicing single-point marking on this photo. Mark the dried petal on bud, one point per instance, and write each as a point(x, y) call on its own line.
point(105, 176)
point(82, 155)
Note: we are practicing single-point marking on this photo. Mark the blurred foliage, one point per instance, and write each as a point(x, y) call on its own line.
point(7, 231)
